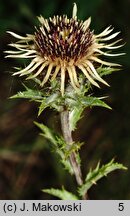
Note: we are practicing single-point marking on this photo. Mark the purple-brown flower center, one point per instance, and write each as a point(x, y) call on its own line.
point(63, 38)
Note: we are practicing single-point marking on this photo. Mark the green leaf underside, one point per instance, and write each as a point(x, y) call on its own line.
point(94, 175)
point(61, 194)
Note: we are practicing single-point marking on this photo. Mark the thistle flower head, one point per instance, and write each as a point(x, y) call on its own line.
point(65, 48)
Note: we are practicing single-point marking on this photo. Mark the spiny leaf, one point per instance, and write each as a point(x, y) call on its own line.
point(67, 166)
point(42, 106)
point(65, 161)
point(74, 116)
point(58, 144)
point(62, 194)
point(74, 147)
point(28, 94)
point(89, 101)
point(61, 150)
point(50, 101)
point(103, 71)
point(78, 104)
point(47, 133)
point(94, 175)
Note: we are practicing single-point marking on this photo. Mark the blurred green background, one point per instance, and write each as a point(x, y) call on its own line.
point(26, 163)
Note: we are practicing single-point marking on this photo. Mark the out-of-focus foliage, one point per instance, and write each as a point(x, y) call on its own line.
point(27, 165)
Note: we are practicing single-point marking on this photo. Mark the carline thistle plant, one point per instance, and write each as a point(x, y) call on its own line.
point(66, 55)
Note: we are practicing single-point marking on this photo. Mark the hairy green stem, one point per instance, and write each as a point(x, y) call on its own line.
point(68, 138)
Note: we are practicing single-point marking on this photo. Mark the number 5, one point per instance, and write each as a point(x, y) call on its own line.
point(121, 206)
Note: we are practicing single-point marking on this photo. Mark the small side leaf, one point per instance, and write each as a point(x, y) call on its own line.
point(62, 194)
point(94, 175)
